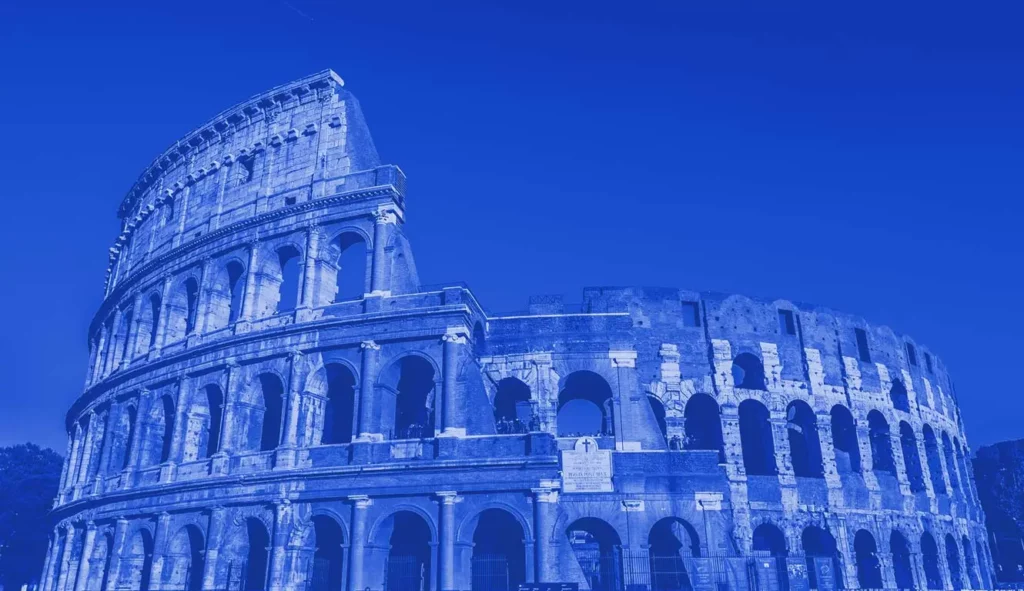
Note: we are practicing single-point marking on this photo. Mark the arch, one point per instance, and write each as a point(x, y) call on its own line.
point(659, 415)
point(911, 457)
point(584, 406)
point(328, 554)
point(256, 554)
point(269, 423)
point(881, 443)
point(595, 545)
point(898, 395)
point(902, 562)
point(947, 448)
point(104, 555)
point(288, 258)
point(349, 256)
point(168, 428)
point(513, 412)
point(702, 424)
point(671, 542)
point(215, 409)
point(769, 538)
point(820, 544)
point(409, 538)
point(130, 424)
point(182, 309)
point(930, 559)
point(972, 574)
point(986, 579)
point(748, 372)
point(931, 449)
point(844, 440)
point(225, 293)
point(139, 559)
point(236, 289)
point(407, 395)
point(157, 432)
point(869, 569)
point(966, 483)
point(498, 562)
point(339, 416)
point(756, 439)
point(188, 550)
point(953, 562)
point(149, 322)
point(126, 334)
point(804, 445)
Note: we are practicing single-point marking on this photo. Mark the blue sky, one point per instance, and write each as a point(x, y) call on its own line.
point(865, 158)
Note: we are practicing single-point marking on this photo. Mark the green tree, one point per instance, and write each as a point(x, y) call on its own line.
point(29, 477)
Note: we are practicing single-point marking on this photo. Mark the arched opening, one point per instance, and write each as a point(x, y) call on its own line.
point(595, 545)
point(288, 290)
point(671, 543)
point(350, 278)
point(869, 569)
point(931, 449)
point(130, 418)
point(126, 332)
point(756, 439)
point(499, 552)
point(702, 424)
point(168, 428)
point(328, 555)
point(584, 406)
point(105, 549)
point(181, 310)
point(930, 559)
point(408, 567)
point(748, 372)
point(340, 411)
point(236, 289)
point(947, 448)
point(152, 323)
point(911, 457)
point(191, 304)
point(186, 557)
point(804, 445)
point(769, 544)
point(844, 440)
point(881, 443)
point(902, 563)
point(972, 573)
point(513, 412)
point(966, 483)
point(898, 396)
point(215, 408)
point(413, 394)
point(139, 559)
point(257, 556)
point(822, 556)
point(156, 431)
point(658, 409)
point(953, 560)
point(271, 393)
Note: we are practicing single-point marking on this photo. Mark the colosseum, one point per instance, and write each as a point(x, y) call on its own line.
point(275, 401)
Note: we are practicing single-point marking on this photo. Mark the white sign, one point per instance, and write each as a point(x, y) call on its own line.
point(586, 468)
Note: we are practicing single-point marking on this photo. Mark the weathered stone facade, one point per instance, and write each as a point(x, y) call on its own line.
point(275, 401)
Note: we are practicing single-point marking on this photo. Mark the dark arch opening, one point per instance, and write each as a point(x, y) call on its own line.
point(748, 372)
point(328, 555)
point(108, 553)
point(257, 555)
point(595, 544)
point(844, 440)
point(215, 404)
point(140, 555)
point(126, 335)
point(903, 568)
point(756, 439)
point(288, 291)
point(703, 424)
point(911, 457)
point(499, 552)
point(409, 555)
point(953, 560)
point(947, 447)
point(898, 395)
point(513, 412)
point(272, 392)
point(881, 443)
point(869, 569)
point(132, 418)
point(821, 554)
point(770, 544)
point(930, 559)
point(584, 406)
point(672, 541)
point(414, 413)
point(168, 428)
point(804, 445)
point(972, 574)
point(659, 415)
point(193, 575)
point(191, 304)
point(236, 272)
point(340, 412)
point(350, 282)
point(931, 449)
point(154, 321)
point(967, 484)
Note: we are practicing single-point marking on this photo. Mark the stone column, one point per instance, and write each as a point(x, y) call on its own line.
point(279, 543)
point(309, 269)
point(134, 451)
point(85, 451)
point(227, 428)
point(120, 536)
point(156, 570)
point(286, 453)
point(83, 562)
point(249, 301)
point(67, 477)
point(65, 557)
point(366, 392)
point(46, 582)
point(451, 414)
point(357, 549)
point(382, 223)
point(544, 507)
point(203, 305)
point(446, 553)
point(178, 430)
point(218, 515)
point(101, 344)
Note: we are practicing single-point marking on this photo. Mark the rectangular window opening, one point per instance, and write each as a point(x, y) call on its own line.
point(928, 362)
point(862, 345)
point(787, 324)
point(911, 354)
point(691, 314)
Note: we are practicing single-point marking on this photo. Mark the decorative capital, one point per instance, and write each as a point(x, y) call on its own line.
point(456, 335)
point(545, 495)
point(361, 501)
point(369, 345)
point(385, 216)
point(448, 497)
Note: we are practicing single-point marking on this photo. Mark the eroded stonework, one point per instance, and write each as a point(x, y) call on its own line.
point(275, 401)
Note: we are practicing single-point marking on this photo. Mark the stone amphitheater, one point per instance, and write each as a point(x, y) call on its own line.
point(275, 401)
